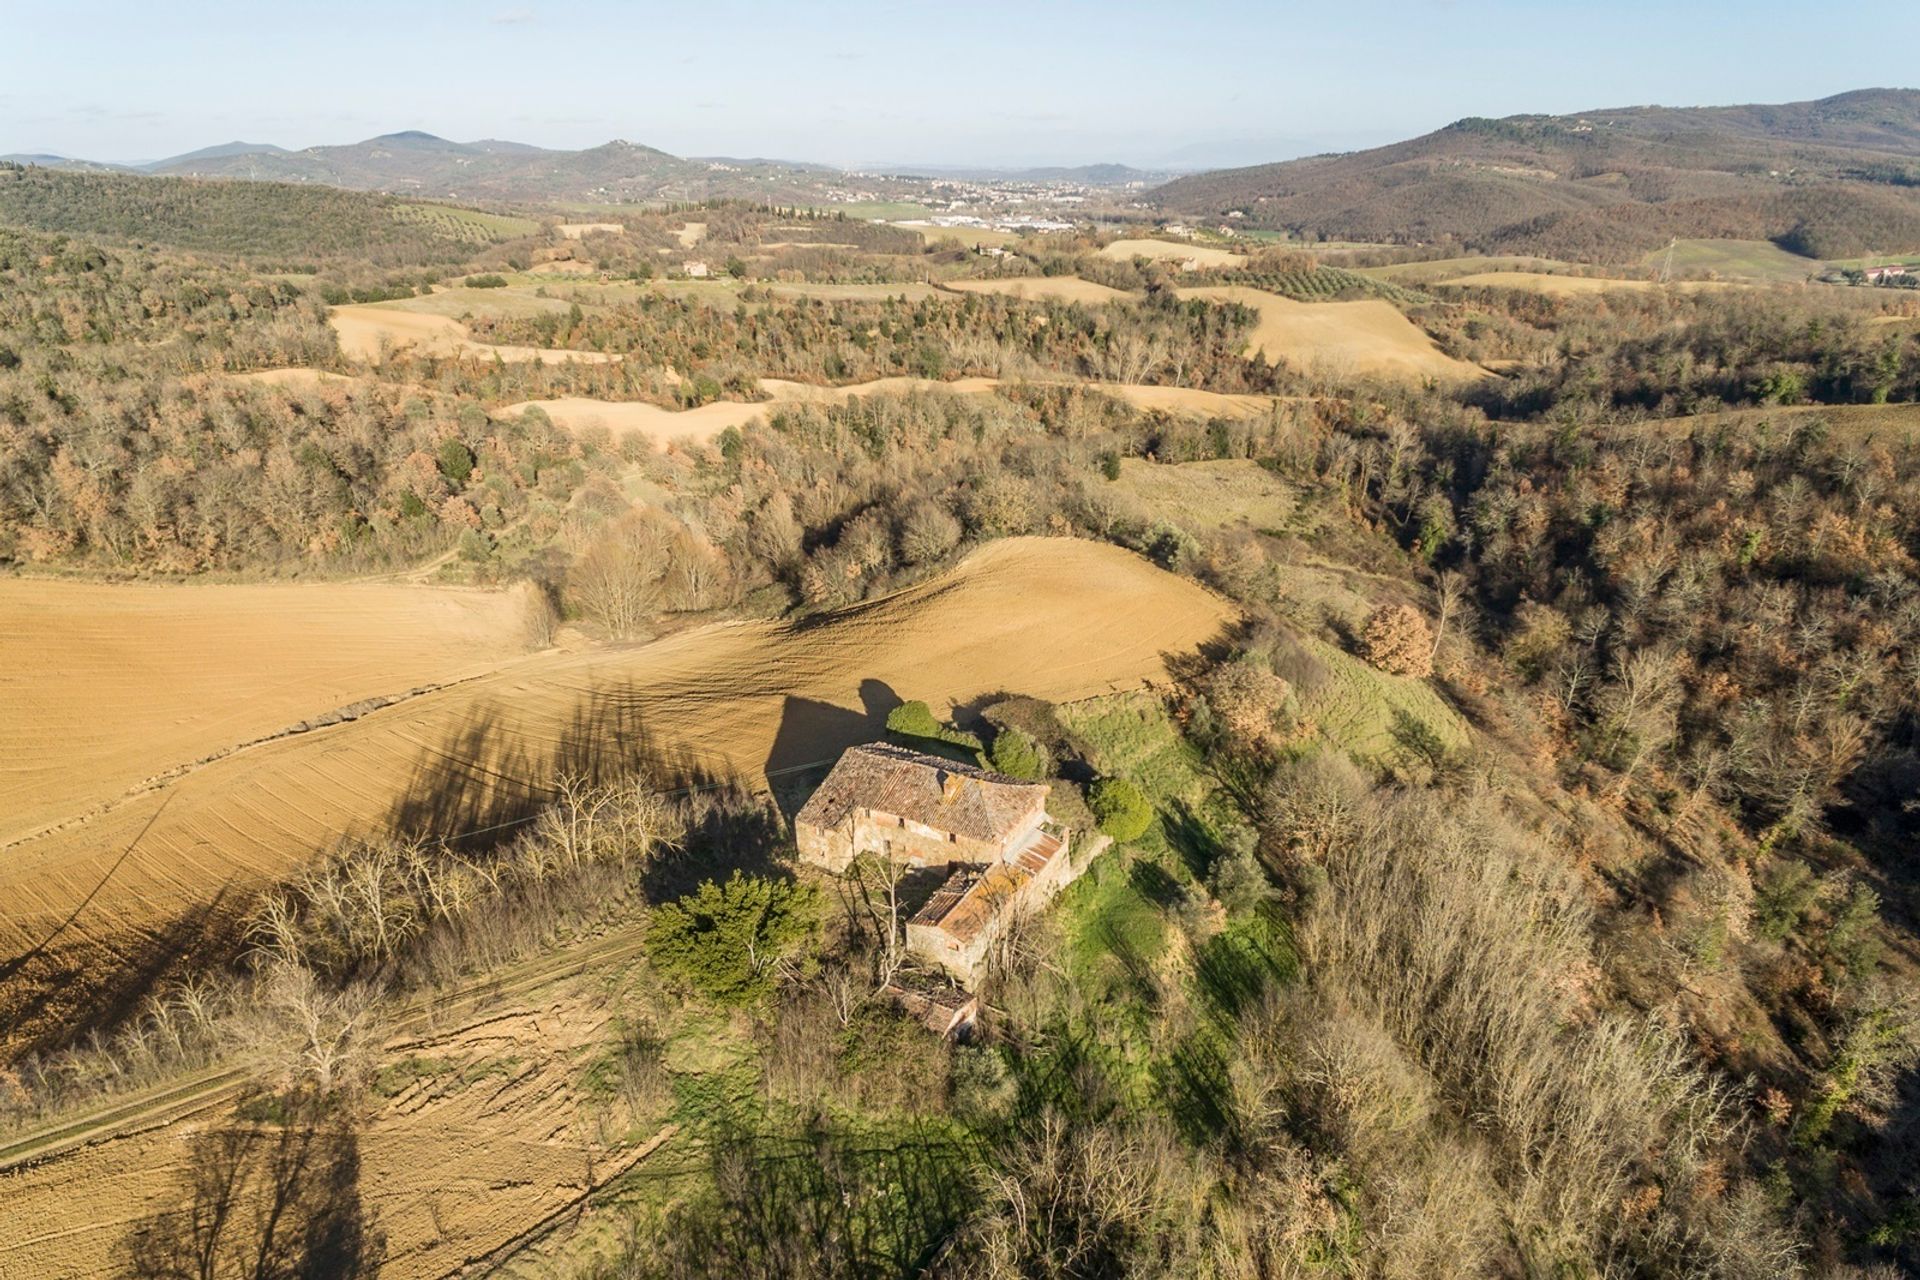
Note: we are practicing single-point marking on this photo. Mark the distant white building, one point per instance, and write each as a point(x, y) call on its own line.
point(697, 271)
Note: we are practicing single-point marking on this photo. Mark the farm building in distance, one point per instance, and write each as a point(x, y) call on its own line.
point(990, 835)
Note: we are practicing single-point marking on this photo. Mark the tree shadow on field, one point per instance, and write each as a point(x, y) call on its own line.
point(1199, 848)
point(730, 829)
point(1199, 1096)
point(487, 777)
point(275, 1197)
point(72, 984)
point(1151, 881)
point(870, 1200)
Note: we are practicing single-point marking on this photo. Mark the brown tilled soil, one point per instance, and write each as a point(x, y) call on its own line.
point(1345, 338)
point(95, 912)
point(468, 1142)
point(104, 686)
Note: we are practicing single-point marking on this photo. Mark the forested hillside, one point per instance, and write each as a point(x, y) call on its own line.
point(1832, 178)
point(264, 221)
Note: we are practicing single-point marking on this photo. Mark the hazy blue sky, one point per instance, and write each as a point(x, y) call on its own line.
point(1203, 82)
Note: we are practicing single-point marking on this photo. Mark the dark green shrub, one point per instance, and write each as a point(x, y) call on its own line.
point(1784, 900)
point(1121, 809)
point(914, 720)
point(456, 462)
point(726, 940)
point(1018, 755)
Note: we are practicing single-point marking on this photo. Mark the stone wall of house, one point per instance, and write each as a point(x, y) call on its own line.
point(907, 841)
point(933, 945)
point(829, 847)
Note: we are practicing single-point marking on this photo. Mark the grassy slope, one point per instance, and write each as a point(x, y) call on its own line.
point(1736, 260)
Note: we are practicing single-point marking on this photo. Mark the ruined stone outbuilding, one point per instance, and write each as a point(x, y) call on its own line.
point(989, 835)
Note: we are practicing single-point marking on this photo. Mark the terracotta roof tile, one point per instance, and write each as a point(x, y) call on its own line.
point(942, 794)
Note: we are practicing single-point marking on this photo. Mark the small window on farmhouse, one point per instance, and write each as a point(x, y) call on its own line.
point(953, 837)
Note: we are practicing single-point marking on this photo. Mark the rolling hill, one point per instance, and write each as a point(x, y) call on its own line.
point(1829, 178)
point(416, 163)
point(273, 221)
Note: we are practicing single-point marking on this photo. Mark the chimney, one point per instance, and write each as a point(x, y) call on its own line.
point(950, 787)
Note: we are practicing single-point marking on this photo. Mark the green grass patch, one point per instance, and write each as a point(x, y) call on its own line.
point(396, 1078)
point(1131, 735)
point(1358, 708)
point(1735, 260)
point(1112, 916)
point(708, 1099)
point(1214, 494)
point(1435, 270)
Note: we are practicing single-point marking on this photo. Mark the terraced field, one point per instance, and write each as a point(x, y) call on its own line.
point(704, 423)
point(1199, 255)
point(1569, 286)
point(1760, 260)
point(369, 332)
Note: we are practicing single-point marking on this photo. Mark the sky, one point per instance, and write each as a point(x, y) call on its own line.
point(867, 84)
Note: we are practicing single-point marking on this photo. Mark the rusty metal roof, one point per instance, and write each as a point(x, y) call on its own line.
point(971, 897)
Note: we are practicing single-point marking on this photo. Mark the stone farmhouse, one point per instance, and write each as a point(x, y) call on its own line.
point(989, 835)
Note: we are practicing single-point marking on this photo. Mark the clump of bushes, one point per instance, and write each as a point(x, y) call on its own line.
point(915, 720)
point(1121, 808)
point(1247, 700)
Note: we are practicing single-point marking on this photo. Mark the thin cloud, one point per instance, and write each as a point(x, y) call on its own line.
point(512, 18)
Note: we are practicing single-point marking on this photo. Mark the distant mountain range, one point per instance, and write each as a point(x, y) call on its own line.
point(1830, 178)
point(1834, 178)
point(421, 164)
point(1090, 175)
